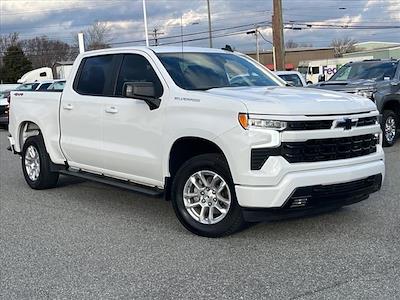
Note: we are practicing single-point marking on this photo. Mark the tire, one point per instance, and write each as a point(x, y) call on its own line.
point(44, 178)
point(390, 119)
point(216, 223)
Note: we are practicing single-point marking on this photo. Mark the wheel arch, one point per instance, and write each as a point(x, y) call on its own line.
point(27, 129)
point(392, 104)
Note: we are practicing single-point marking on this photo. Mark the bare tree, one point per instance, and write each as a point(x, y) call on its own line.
point(43, 52)
point(97, 36)
point(291, 44)
point(7, 41)
point(344, 45)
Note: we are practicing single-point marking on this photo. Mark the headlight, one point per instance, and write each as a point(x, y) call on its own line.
point(366, 93)
point(247, 123)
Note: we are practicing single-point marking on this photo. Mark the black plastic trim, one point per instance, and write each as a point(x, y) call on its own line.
point(150, 191)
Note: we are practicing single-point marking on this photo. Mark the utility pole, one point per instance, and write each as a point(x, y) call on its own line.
point(145, 23)
point(277, 33)
point(209, 25)
point(155, 34)
point(256, 32)
point(257, 45)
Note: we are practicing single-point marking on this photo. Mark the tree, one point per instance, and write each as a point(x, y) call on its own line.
point(96, 36)
point(6, 41)
point(291, 44)
point(43, 52)
point(15, 64)
point(344, 45)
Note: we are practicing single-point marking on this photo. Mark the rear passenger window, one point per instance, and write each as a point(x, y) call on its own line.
point(136, 68)
point(96, 76)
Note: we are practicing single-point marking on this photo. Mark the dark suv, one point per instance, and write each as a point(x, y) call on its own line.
point(378, 80)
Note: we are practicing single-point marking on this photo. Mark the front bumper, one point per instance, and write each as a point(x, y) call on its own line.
point(4, 119)
point(316, 199)
point(275, 196)
point(4, 115)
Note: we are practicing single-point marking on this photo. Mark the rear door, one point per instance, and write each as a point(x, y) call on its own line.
point(81, 111)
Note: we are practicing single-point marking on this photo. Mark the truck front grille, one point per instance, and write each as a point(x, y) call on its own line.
point(317, 150)
point(327, 124)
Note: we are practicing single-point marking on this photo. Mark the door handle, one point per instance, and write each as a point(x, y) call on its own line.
point(68, 107)
point(111, 110)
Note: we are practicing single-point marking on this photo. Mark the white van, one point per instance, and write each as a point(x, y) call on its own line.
point(323, 69)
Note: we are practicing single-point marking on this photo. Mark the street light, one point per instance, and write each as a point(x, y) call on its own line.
point(194, 23)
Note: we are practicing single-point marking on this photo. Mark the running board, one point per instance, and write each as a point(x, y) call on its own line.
point(150, 191)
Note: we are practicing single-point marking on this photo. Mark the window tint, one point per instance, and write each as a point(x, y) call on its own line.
point(292, 78)
point(96, 76)
point(203, 71)
point(44, 86)
point(366, 70)
point(57, 86)
point(136, 68)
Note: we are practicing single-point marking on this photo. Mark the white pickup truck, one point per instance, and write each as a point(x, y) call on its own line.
point(214, 131)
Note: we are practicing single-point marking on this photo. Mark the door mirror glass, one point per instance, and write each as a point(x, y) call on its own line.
point(139, 90)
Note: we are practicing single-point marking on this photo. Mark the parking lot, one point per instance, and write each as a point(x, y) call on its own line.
point(86, 240)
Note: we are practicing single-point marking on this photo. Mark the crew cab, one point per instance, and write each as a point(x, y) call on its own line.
point(212, 130)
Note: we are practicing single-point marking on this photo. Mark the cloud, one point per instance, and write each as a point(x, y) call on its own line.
point(63, 19)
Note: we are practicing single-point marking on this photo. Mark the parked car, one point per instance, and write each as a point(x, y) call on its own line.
point(43, 85)
point(292, 77)
point(212, 130)
point(378, 80)
point(4, 108)
point(57, 86)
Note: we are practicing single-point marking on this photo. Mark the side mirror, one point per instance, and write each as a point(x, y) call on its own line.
point(143, 91)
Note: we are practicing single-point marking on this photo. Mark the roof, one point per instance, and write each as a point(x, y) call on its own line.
point(158, 49)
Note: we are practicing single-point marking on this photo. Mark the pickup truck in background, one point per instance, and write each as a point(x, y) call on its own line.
point(214, 131)
point(378, 80)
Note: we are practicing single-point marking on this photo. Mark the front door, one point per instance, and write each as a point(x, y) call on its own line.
point(132, 133)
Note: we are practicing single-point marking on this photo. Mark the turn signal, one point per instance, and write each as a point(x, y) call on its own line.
point(243, 120)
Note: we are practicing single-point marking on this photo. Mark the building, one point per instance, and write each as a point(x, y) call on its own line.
point(294, 55)
point(378, 50)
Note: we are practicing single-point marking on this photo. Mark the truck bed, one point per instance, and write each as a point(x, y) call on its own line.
point(41, 108)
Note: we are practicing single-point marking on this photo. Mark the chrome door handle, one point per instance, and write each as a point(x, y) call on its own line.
point(111, 110)
point(68, 107)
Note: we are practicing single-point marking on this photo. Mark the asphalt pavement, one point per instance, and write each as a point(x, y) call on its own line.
point(84, 240)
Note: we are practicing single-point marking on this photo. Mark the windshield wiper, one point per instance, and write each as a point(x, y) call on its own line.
point(208, 88)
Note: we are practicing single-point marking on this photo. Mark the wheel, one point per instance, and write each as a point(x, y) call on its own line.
point(36, 164)
point(390, 127)
point(203, 197)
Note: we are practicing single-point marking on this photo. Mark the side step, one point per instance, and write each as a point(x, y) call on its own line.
point(150, 191)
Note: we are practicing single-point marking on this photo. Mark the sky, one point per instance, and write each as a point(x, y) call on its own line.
point(320, 21)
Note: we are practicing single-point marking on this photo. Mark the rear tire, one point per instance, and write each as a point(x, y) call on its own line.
point(36, 164)
point(211, 210)
point(390, 128)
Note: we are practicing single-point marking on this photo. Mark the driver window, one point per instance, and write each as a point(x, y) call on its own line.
point(136, 68)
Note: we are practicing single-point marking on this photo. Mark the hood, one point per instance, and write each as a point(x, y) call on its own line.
point(346, 85)
point(295, 101)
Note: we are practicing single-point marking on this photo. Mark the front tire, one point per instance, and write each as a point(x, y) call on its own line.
point(204, 199)
point(390, 127)
point(36, 164)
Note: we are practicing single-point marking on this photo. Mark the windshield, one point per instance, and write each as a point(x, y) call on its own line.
point(27, 86)
point(366, 70)
point(203, 71)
